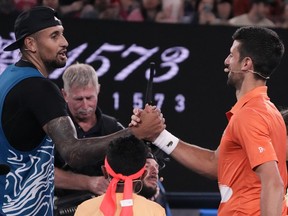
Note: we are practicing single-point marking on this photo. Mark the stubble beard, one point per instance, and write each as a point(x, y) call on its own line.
point(54, 64)
point(148, 192)
point(235, 81)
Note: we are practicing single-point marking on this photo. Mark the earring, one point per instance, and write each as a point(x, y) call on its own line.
point(138, 185)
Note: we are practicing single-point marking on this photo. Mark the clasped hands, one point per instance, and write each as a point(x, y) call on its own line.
point(147, 123)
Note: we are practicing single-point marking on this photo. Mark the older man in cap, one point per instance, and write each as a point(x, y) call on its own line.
point(33, 117)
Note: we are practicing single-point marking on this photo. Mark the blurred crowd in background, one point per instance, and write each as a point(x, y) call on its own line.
point(269, 13)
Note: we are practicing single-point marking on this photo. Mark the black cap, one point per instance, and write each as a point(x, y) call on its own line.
point(31, 21)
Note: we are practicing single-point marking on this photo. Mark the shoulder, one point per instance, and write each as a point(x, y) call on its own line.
point(247, 116)
point(110, 122)
point(151, 205)
point(109, 118)
point(251, 120)
point(35, 89)
point(90, 205)
point(38, 84)
point(268, 23)
point(241, 19)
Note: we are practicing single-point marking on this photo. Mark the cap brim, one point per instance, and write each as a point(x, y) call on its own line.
point(13, 46)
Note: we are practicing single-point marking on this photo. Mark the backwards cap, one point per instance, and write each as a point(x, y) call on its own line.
point(31, 21)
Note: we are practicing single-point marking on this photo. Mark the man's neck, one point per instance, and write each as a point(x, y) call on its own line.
point(87, 125)
point(248, 86)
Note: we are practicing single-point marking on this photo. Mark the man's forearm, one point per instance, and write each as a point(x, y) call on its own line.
point(69, 180)
point(79, 152)
point(272, 199)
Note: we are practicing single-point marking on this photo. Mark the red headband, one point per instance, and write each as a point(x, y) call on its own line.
point(108, 205)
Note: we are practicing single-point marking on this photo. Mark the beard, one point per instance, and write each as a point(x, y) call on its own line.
point(54, 64)
point(235, 80)
point(148, 192)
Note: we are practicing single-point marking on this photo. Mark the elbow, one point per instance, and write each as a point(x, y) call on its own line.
point(211, 174)
point(71, 157)
point(214, 175)
point(213, 166)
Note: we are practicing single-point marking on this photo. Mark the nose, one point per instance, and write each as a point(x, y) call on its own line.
point(85, 103)
point(226, 61)
point(154, 170)
point(64, 41)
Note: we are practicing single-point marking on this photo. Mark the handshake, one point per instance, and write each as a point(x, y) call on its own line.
point(149, 124)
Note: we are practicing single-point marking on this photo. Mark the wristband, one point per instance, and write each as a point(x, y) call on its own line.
point(166, 141)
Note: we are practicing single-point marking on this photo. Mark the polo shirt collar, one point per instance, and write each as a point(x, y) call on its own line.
point(261, 90)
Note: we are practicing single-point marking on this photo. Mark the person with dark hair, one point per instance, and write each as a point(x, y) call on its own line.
point(250, 162)
point(284, 113)
point(34, 117)
point(205, 13)
point(150, 188)
point(153, 188)
point(125, 166)
point(257, 15)
point(148, 11)
point(224, 11)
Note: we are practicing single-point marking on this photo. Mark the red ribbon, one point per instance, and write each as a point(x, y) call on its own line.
point(108, 205)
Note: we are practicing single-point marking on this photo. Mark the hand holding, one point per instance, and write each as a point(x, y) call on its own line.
point(148, 123)
point(98, 184)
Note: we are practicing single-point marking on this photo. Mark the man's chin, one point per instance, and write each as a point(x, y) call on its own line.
point(152, 184)
point(148, 192)
point(84, 117)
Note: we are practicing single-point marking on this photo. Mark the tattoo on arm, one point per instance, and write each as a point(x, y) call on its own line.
point(79, 152)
